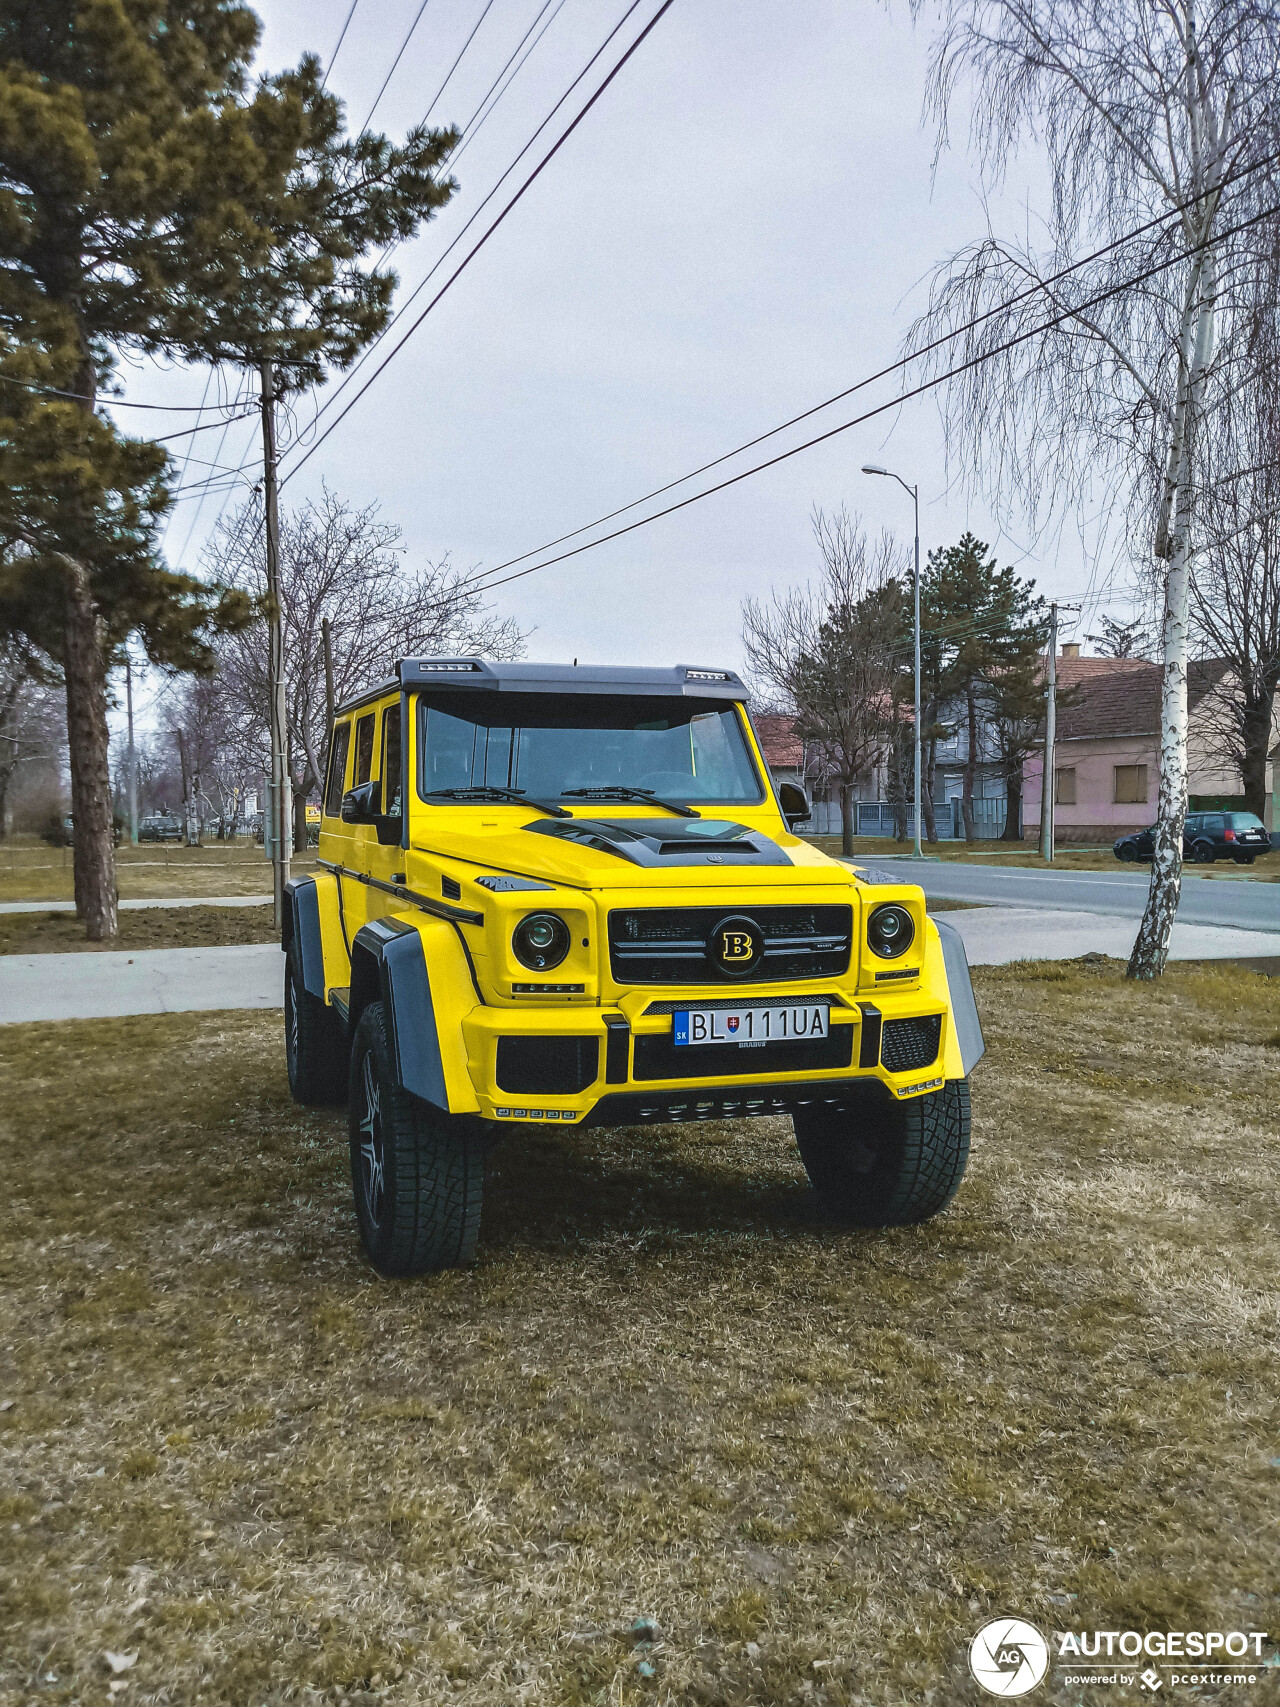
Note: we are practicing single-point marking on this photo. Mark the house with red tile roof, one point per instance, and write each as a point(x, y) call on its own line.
point(1108, 747)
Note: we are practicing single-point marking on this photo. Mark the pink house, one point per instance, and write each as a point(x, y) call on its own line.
point(1108, 747)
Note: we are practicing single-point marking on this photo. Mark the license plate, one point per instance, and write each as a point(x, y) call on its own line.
point(750, 1025)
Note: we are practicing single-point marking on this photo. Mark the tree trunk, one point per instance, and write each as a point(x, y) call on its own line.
point(86, 673)
point(846, 818)
point(926, 791)
point(970, 761)
point(1012, 831)
point(1151, 946)
point(1255, 728)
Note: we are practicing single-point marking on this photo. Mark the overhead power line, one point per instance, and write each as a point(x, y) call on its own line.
point(342, 36)
point(476, 247)
point(483, 584)
point(1032, 290)
point(399, 56)
point(349, 377)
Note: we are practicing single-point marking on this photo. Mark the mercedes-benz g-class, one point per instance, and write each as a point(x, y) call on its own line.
point(550, 893)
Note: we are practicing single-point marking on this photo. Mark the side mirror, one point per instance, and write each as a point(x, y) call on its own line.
point(794, 803)
point(360, 805)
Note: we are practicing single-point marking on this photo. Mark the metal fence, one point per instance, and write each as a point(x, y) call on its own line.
point(875, 818)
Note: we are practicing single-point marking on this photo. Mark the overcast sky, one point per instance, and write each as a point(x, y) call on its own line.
point(738, 229)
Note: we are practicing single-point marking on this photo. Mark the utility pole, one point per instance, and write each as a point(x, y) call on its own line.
point(133, 755)
point(874, 468)
point(1048, 779)
point(326, 636)
point(278, 802)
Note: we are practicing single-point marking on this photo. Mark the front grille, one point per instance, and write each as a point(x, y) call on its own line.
point(668, 945)
point(660, 1058)
point(908, 1044)
point(547, 1066)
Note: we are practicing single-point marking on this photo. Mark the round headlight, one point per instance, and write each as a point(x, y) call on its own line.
point(890, 931)
point(540, 941)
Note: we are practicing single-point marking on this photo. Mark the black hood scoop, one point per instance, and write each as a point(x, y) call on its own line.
point(658, 842)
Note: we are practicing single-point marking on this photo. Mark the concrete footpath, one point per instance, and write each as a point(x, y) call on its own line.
point(178, 980)
point(153, 981)
point(142, 906)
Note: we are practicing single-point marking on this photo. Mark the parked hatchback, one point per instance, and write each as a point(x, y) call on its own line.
point(1206, 836)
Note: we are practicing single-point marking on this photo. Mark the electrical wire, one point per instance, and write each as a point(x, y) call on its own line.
point(448, 74)
point(342, 36)
point(399, 56)
point(884, 372)
point(349, 377)
point(481, 584)
point(475, 249)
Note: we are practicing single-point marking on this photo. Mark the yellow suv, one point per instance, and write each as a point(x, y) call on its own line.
point(560, 894)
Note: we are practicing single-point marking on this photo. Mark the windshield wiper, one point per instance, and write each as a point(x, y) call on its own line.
point(620, 791)
point(487, 792)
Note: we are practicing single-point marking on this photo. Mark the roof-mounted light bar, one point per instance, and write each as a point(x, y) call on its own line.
point(708, 676)
point(438, 667)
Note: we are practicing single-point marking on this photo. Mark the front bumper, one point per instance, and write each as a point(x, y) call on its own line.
point(622, 1068)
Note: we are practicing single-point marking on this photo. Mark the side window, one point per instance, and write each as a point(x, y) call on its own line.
point(1131, 785)
point(1191, 825)
point(1215, 824)
point(364, 750)
point(391, 770)
point(337, 769)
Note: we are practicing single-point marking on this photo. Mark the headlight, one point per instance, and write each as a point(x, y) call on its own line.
point(540, 941)
point(890, 931)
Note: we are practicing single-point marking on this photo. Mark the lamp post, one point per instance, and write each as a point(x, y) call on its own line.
point(872, 468)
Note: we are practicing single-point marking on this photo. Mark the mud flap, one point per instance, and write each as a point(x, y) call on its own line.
point(302, 932)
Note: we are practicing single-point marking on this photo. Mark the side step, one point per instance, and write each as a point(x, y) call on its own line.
point(341, 1000)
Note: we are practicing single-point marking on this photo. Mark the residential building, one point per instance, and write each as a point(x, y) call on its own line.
point(1108, 748)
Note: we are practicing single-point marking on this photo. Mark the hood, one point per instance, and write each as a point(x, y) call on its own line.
point(604, 853)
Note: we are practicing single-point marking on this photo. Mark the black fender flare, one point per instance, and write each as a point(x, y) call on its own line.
point(964, 1008)
point(300, 931)
point(388, 965)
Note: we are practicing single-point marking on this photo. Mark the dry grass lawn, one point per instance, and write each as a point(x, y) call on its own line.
point(31, 871)
point(817, 1459)
point(158, 927)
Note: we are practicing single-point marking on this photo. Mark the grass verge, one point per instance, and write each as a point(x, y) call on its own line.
point(160, 927)
point(30, 871)
point(817, 1459)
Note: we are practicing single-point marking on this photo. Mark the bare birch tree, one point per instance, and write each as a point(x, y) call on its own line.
point(343, 565)
point(1144, 112)
point(830, 652)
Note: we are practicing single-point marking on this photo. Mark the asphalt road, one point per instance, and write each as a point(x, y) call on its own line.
point(1121, 893)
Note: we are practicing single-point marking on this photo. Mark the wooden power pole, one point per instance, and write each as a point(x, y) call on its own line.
point(278, 789)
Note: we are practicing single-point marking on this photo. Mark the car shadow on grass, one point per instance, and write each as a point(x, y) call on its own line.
point(550, 1188)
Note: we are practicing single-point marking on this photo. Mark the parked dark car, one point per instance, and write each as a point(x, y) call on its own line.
point(159, 827)
point(1206, 836)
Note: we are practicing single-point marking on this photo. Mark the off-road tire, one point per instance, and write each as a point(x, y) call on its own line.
point(315, 1048)
point(884, 1163)
point(417, 1174)
point(1204, 853)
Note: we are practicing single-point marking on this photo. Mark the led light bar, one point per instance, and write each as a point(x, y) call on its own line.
point(707, 676)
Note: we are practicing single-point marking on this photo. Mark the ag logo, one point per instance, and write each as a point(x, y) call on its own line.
point(1008, 1657)
point(736, 945)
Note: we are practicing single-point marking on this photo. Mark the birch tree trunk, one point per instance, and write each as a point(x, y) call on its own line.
point(1151, 946)
point(91, 806)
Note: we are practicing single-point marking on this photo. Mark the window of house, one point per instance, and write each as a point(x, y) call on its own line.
point(337, 769)
point(391, 761)
point(364, 750)
point(1131, 785)
point(1064, 790)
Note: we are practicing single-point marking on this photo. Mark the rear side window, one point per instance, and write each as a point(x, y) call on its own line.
point(364, 750)
point(1214, 824)
point(391, 772)
point(337, 769)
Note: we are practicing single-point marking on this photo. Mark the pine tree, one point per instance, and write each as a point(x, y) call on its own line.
point(984, 623)
point(151, 201)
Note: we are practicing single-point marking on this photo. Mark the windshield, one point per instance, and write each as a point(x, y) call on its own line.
point(551, 745)
point(1244, 821)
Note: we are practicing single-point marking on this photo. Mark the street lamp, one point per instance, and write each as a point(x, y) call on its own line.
point(872, 468)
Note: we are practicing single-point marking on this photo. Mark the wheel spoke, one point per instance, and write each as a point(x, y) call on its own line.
point(371, 1153)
